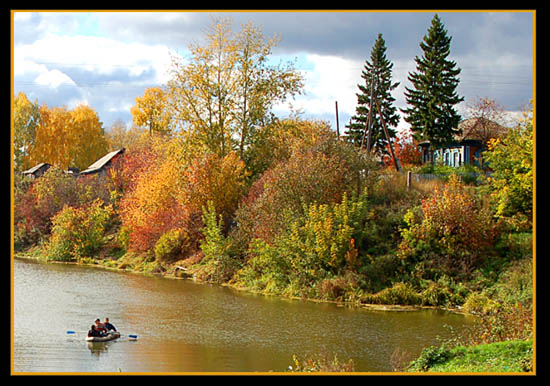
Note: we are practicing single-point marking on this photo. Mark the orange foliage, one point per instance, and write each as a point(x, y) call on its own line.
point(306, 178)
point(211, 178)
point(406, 150)
point(163, 192)
point(453, 227)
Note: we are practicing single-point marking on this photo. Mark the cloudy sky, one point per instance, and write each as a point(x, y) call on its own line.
point(107, 59)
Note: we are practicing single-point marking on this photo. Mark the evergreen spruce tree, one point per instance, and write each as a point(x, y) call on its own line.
point(431, 114)
point(379, 70)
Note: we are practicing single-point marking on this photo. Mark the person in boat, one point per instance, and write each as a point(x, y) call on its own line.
point(108, 325)
point(100, 326)
point(95, 332)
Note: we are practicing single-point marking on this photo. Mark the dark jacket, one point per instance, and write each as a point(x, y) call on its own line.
point(109, 327)
point(95, 333)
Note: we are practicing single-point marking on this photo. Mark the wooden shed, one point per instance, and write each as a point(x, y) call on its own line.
point(101, 165)
point(38, 170)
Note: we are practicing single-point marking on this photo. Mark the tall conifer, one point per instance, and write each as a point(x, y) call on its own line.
point(431, 114)
point(378, 69)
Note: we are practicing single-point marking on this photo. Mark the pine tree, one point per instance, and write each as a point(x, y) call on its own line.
point(431, 113)
point(377, 75)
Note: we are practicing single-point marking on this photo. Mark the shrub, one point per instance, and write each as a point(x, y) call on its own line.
point(480, 304)
point(511, 159)
point(266, 269)
point(172, 245)
point(151, 208)
point(319, 171)
point(78, 232)
point(317, 246)
point(436, 295)
point(210, 178)
point(451, 234)
point(431, 356)
point(399, 293)
point(321, 363)
point(342, 288)
point(219, 262)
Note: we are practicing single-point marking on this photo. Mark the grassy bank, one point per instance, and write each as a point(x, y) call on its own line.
point(500, 357)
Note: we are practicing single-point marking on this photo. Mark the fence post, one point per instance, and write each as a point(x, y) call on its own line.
point(409, 179)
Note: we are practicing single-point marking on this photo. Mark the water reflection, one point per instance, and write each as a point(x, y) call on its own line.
point(97, 348)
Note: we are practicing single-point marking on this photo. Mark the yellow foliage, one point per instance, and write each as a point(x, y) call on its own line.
point(68, 138)
point(151, 111)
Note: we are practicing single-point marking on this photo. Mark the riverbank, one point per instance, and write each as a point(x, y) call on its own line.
point(177, 272)
point(185, 326)
point(514, 357)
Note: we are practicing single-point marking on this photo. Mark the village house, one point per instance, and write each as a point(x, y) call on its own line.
point(102, 164)
point(468, 148)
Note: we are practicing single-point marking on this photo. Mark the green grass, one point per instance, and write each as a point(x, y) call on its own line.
point(508, 357)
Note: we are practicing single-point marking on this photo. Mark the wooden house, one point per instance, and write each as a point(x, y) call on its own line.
point(467, 149)
point(101, 165)
point(37, 170)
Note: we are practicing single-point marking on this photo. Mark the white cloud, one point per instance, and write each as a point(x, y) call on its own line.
point(331, 79)
point(96, 54)
point(53, 78)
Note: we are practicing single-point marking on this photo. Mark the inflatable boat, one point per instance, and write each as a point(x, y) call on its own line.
point(111, 335)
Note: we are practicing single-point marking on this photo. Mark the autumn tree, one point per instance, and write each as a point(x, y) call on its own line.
point(26, 115)
point(166, 188)
point(486, 118)
point(51, 143)
point(119, 136)
point(512, 183)
point(87, 141)
point(151, 111)
point(226, 88)
point(68, 138)
point(406, 150)
point(260, 85)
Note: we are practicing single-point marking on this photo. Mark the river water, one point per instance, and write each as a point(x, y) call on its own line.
point(185, 327)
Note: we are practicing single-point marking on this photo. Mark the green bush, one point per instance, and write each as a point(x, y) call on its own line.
point(220, 261)
point(480, 303)
point(78, 232)
point(513, 356)
point(399, 293)
point(430, 357)
point(172, 245)
point(511, 159)
point(319, 245)
point(452, 234)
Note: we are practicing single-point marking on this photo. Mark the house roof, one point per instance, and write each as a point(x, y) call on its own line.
point(480, 128)
point(34, 169)
point(476, 129)
point(100, 163)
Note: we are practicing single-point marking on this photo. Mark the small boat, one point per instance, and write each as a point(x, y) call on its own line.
point(111, 335)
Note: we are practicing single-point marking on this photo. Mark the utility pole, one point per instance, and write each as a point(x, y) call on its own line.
point(395, 161)
point(367, 132)
point(337, 126)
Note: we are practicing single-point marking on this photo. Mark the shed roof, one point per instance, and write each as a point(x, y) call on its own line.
point(476, 129)
point(34, 169)
point(100, 163)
